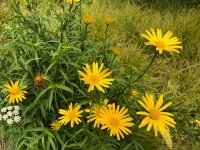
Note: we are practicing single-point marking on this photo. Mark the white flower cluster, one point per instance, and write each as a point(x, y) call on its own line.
point(10, 114)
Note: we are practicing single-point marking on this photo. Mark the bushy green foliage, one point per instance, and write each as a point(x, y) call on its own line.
point(49, 38)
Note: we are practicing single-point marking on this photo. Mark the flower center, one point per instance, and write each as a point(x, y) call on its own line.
point(14, 91)
point(94, 79)
point(160, 44)
point(72, 115)
point(114, 122)
point(154, 114)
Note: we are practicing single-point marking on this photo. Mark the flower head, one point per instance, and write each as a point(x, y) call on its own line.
point(166, 42)
point(133, 93)
point(72, 1)
point(9, 108)
point(39, 81)
point(72, 114)
point(87, 18)
point(155, 116)
point(117, 52)
point(16, 107)
point(108, 21)
point(55, 125)
point(96, 78)
point(15, 93)
point(4, 109)
point(1, 117)
point(198, 122)
point(17, 119)
point(116, 120)
point(9, 113)
point(96, 113)
point(9, 121)
point(5, 117)
point(16, 112)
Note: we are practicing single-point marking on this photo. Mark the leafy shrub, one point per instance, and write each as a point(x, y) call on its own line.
point(45, 47)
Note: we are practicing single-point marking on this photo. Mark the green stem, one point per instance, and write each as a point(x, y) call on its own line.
point(105, 41)
point(121, 92)
point(71, 6)
point(80, 13)
point(144, 71)
point(84, 37)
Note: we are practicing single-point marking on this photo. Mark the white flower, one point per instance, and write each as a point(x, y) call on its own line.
point(9, 113)
point(9, 121)
point(9, 107)
point(17, 119)
point(5, 117)
point(1, 117)
point(16, 107)
point(3, 109)
point(16, 112)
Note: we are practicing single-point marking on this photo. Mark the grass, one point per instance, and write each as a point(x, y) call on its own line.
point(177, 75)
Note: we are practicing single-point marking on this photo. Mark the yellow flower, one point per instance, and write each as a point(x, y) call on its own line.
point(117, 52)
point(108, 21)
point(72, 114)
point(87, 18)
point(155, 116)
point(55, 125)
point(72, 1)
point(166, 42)
point(197, 121)
point(116, 120)
point(96, 113)
point(133, 93)
point(39, 81)
point(96, 78)
point(15, 93)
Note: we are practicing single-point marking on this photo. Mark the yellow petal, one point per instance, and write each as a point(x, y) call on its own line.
point(144, 122)
point(143, 105)
point(165, 106)
point(142, 113)
point(160, 102)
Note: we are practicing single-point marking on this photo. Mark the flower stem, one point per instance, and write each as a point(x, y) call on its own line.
point(105, 42)
point(144, 71)
point(129, 86)
point(84, 37)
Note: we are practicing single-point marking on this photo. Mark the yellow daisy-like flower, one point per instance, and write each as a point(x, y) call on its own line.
point(197, 121)
point(72, 114)
point(96, 113)
point(108, 21)
point(55, 125)
point(87, 18)
point(72, 1)
point(14, 92)
point(116, 120)
point(155, 116)
point(96, 78)
point(166, 42)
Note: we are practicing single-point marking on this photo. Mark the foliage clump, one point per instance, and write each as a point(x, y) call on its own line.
point(48, 46)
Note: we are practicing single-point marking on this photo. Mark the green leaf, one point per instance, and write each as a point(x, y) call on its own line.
point(50, 99)
point(63, 87)
point(43, 92)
